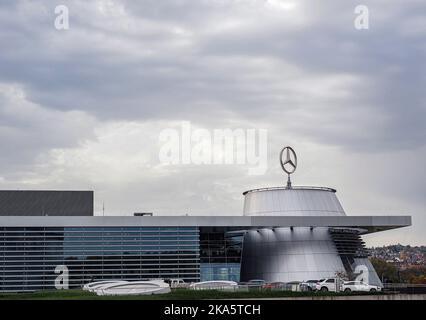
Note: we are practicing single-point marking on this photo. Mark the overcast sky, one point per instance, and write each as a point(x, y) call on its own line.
point(83, 108)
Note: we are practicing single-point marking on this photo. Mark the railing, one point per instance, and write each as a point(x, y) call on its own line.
point(292, 188)
point(297, 287)
point(405, 288)
point(251, 287)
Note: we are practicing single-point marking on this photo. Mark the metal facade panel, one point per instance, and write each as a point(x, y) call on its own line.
point(372, 277)
point(293, 255)
point(292, 202)
point(46, 203)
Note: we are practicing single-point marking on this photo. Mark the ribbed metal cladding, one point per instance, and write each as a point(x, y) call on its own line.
point(29, 255)
point(46, 203)
point(348, 242)
point(353, 253)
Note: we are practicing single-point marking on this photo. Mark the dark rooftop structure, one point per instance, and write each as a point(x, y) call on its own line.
point(46, 203)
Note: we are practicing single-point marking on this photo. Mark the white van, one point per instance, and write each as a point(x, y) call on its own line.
point(178, 283)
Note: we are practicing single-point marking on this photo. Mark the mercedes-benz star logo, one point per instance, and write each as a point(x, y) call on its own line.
point(289, 164)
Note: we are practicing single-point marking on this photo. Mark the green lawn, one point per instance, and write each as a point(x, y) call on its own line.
point(179, 294)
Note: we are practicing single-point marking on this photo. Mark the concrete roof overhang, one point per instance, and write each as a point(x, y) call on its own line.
point(370, 224)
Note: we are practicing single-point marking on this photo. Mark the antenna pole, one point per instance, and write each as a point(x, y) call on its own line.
point(288, 182)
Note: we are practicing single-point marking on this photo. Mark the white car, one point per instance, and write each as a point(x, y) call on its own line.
point(350, 286)
point(256, 283)
point(328, 284)
point(310, 285)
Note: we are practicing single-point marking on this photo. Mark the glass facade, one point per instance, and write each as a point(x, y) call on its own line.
point(220, 254)
point(29, 255)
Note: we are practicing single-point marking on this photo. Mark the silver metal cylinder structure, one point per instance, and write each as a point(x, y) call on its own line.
point(292, 254)
point(298, 201)
point(288, 255)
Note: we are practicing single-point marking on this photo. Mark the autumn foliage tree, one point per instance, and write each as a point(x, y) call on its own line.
point(387, 272)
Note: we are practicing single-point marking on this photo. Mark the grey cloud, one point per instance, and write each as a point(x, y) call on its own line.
point(28, 129)
point(215, 72)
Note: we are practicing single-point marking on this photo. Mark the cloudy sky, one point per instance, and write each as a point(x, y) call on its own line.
point(84, 108)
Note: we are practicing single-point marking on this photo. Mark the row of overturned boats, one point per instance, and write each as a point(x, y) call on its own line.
point(151, 287)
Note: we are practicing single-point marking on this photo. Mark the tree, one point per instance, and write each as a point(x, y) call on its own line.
point(415, 275)
point(387, 272)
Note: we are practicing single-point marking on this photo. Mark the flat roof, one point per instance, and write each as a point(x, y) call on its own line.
point(369, 223)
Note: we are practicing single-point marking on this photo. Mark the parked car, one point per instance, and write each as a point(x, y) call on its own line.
point(328, 284)
point(256, 284)
point(349, 286)
point(293, 286)
point(274, 285)
point(309, 285)
point(177, 283)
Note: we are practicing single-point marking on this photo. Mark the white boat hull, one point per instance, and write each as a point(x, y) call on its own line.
point(134, 288)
